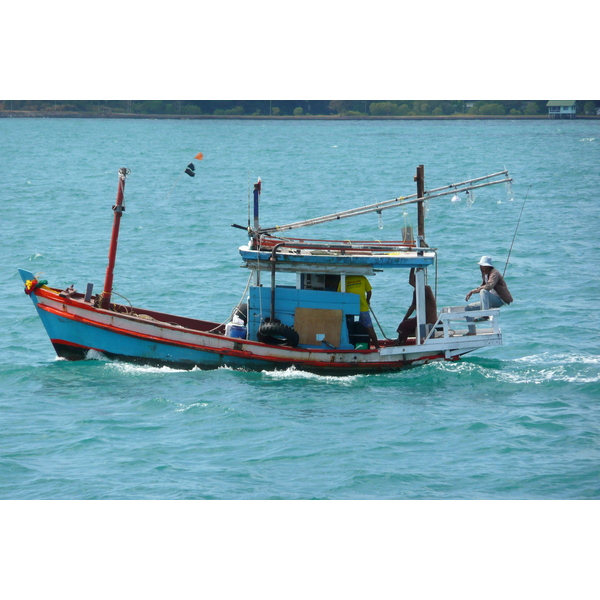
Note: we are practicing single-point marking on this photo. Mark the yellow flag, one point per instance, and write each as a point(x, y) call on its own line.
point(199, 156)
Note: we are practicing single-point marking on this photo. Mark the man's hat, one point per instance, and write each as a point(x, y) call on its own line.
point(486, 261)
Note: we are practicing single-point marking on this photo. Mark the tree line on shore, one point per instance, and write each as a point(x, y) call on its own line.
point(276, 108)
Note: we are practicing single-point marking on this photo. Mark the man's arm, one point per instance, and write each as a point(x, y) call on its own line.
point(411, 308)
point(493, 279)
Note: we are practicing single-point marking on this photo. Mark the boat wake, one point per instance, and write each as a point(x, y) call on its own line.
point(534, 369)
point(546, 358)
point(570, 368)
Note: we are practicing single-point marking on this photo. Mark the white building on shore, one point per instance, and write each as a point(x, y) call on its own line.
point(562, 109)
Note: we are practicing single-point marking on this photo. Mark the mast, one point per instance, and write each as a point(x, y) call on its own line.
point(420, 273)
point(118, 209)
point(257, 190)
point(420, 179)
point(255, 242)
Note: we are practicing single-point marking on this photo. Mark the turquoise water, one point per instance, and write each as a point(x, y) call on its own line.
point(521, 421)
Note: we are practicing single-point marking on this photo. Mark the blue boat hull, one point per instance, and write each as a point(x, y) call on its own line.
point(78, 330)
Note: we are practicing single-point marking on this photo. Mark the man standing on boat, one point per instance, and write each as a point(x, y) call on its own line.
point(360, 285)
point(493, 291)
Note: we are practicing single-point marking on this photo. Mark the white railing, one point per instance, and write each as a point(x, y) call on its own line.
point(483, 318)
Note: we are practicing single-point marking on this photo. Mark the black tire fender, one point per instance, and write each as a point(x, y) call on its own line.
point(277, 334)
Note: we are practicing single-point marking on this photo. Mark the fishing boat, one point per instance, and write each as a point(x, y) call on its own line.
point(312, 325)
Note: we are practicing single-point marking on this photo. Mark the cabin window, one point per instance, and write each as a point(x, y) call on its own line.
point(318, 281)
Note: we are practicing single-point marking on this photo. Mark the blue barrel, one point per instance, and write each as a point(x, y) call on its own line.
point(237, 331)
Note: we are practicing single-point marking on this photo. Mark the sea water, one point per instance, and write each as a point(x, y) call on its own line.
point(520, 421)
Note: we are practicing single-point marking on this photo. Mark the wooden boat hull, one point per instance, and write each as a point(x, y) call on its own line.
point(78, 330)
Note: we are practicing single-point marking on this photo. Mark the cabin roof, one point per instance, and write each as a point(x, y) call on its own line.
point(331, 261)
point(561, 102)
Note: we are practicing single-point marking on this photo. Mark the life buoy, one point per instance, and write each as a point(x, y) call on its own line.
point(277, 334)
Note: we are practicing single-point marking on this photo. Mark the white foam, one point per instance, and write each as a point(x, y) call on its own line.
point(137, 370)
point(186, 407)
point(95, 355)
point(293, 373)
point(553, 368)
point(545, 375)
point(561, 358)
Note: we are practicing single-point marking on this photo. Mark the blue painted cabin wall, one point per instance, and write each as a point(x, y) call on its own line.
point(287, 299)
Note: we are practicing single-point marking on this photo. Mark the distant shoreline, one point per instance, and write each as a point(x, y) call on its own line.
point(45, 114)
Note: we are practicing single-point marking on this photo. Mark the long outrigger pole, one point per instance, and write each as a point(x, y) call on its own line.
point(118, 209)
point(453, 188)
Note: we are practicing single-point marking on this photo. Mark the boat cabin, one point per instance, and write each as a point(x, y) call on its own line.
point(317, 305)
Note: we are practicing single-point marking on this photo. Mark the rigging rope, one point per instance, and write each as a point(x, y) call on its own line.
point(378, 323)
point(516, 229)
point(170, 192)
point(234, 309)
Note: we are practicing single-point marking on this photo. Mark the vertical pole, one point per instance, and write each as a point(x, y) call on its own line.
point(420, 296)
point(420, 273)
point(118, 209)
point(255, 238)
point(257, 189)
point(420, 179)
